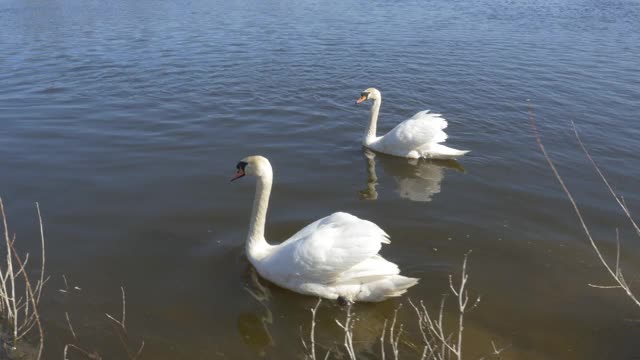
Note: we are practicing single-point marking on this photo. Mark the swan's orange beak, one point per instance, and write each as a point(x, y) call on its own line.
point(238, 175)
point(361, 99)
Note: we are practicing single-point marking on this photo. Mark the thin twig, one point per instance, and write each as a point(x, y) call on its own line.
point(10, 299)
point(618, 199)
point(384, 328)
point(121, 322)
point(326, 356)
point(39, 289)
point(614, 274)
point(32, 299)
point(348, 333)
point(139, 350)
point(394, 340)
point(312, 336)
point(92, 356)
point(66, 314)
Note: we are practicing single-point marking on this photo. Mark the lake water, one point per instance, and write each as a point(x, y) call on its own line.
point(125, 119)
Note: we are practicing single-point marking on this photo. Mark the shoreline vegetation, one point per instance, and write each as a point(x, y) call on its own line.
point(442, 339)
point(20, 296)
point(22, 335)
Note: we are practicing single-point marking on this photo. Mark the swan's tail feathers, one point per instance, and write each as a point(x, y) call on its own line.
point(384, 288)
point(439, 151)
point(369, 270)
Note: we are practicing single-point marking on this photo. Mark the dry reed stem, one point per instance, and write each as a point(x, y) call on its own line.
point(326, 356)
point(438, 343)
point(122, 330)
point(10, 305)
point(384, 328)
point(618, 198)
point(8, 292)
point(393, 341)
point(93, 356)
point(42, 281)
point(312, 335)
point(66, 314)
point(348, 333)
point(33, 318)
point(616, 273)
point(124, 312)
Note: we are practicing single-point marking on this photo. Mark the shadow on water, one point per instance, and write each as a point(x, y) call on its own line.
point(416, 179)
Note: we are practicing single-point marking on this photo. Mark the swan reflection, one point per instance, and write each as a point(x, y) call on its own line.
point(254, 326)
point(416, 179)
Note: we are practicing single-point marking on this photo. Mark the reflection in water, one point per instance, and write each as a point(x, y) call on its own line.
point(417, 179)
point(253, 327)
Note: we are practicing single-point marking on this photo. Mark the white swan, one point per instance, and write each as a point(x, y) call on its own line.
point(418, 137)
point(335, 257)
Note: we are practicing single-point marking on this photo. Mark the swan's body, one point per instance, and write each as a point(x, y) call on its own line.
point(418, 137)
point(334, 257)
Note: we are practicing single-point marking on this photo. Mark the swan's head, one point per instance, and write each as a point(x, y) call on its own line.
point(253, 165)
point(369, 94)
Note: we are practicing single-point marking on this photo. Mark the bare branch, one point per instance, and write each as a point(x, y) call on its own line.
point(66, 314)
point(348, 333)
point(39, 288)
point(384, 329)
point(312, 336)
point(615, 273)
point(618, 199)
point(394, 340)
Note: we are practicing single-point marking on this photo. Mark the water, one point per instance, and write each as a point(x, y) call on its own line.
point(125, 120)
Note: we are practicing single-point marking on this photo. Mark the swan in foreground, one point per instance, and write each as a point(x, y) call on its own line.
point(335, 257)
point(418, 137)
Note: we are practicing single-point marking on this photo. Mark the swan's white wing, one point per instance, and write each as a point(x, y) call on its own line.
point(327, 248)
point(421, 129)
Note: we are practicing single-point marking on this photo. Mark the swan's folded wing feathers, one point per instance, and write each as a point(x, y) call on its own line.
point(372, 268)
point(428, 115)
point(422, 128)
point(337, 243)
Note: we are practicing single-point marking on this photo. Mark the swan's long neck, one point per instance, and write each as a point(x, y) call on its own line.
point(370, 133)
point(257, 246)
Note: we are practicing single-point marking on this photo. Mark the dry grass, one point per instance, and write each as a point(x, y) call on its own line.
point(439, 341)
point(440, 344)
point(120, 330)
point(19, 297)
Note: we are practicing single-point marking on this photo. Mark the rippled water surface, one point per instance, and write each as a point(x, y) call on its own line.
point(125, 119)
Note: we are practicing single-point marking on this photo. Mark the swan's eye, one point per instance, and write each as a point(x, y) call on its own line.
point(241, 165)
point(240, 172)
point(364, 95)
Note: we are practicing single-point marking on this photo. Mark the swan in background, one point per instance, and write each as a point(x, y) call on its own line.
point(418, 137)
point(417, 179)
point(335, 257)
